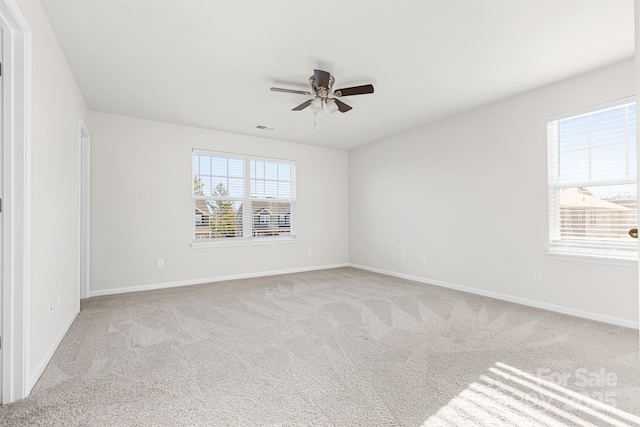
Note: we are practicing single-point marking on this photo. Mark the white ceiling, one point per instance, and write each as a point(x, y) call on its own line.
point(211, 63)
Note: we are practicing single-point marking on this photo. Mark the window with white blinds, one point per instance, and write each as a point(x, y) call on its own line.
point(240, 198)
point(593, 181)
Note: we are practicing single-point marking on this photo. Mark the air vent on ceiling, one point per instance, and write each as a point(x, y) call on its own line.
point(263, 127)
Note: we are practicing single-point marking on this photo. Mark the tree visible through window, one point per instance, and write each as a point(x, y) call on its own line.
point(592, 181)
point(242, 197)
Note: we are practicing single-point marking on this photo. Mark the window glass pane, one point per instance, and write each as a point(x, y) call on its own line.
point(205, 165)
point(202, 216)
point(220, 166)
point(271, 189)
point(196, 164)
point(599, 214)
point(608, 126)
point(609, 162)
point(271, 170)
point(597, 147)
point(218, 219)
point(236, 187)
point(259, 170)
point(198, 189)
point(219, 187)
point(206, 185)
point(236, 168)
point(574, 166)
point(271, 219)
point(257, 189)
point(573, 133)
point(284, 190)
point(284, 172)
point(605, 136)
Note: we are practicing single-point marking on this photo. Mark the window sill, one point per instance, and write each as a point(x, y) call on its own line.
point(242, 242)
point(592, 258)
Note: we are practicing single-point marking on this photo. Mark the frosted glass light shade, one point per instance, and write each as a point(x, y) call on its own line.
point(316, 105)
point(332, 107)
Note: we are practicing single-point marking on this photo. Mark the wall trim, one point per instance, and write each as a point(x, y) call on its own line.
point(84, 212)
point(16, 193)
point(167, 285)
point(637, 68)
point(45, 362)
point(509, 298)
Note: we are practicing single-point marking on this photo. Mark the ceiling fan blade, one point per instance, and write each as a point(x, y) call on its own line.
point(355, 90)
point(321, 78)
point(299, 92)
point(342, 107)
point(302, 106)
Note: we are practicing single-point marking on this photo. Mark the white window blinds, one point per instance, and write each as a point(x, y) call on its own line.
point(592, 181)
point(242, 198)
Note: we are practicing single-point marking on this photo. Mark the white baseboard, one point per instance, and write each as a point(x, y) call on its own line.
point(504, 297)
point(166, 285)
point(38, 373)
point(496, 295)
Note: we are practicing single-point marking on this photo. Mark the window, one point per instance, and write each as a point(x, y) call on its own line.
point(592, 181)
point(240, 198)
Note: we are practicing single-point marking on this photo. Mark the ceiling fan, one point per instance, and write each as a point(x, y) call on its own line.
point(321, 85)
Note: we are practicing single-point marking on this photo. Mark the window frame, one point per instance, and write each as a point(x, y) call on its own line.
point(248, 236)
point(616, 253)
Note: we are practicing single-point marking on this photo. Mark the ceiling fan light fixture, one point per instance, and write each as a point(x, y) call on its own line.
point(331, 105)
point(316, 105)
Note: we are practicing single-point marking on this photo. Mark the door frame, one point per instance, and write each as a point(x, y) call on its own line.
point(16, 191)
point(85, 211)
point(637, 75)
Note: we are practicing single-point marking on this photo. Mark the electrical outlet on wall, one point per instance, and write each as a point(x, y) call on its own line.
point(309, 251)
point(403, 256)
point(536, 274)
point(160, 263)
point(423, 259)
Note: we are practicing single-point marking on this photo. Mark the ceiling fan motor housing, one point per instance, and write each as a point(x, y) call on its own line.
point(322, 92)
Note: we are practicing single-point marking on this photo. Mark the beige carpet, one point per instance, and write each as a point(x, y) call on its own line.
point(339, 347)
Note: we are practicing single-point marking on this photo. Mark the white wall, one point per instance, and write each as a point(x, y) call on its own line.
point(57, 105)
point(470, 193)
point(141, 206)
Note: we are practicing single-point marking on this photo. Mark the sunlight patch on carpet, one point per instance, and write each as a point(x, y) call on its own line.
point(509, 396)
